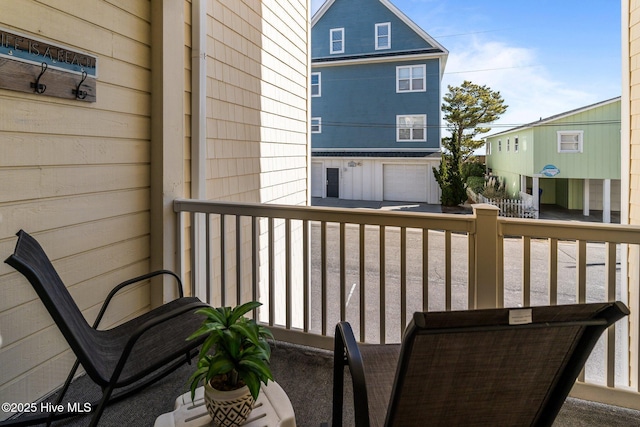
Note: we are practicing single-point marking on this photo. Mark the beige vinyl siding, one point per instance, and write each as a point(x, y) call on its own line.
point(256, 116)
point(85, 179)
point(76, 175)
point(631, 157)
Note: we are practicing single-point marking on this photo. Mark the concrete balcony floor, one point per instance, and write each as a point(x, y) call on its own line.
point(306, 375)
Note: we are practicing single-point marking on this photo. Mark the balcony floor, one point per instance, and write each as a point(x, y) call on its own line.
point(305, 374)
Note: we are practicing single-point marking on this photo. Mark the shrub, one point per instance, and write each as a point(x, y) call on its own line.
point(476, 184)
point(472, 168)
point(494, 189)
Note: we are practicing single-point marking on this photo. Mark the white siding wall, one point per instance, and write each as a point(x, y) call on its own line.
point(363, 178)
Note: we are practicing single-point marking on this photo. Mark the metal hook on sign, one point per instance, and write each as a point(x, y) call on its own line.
point(39, 87)
point(80, 94)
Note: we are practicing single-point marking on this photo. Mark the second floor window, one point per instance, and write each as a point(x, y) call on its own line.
point(499, 145)
point(316, 125)
point(411, 78)
point(337, 40)
point(516, 144)
point(570, 141)
point(411, 128)
point(316, 84)
point(383, 36)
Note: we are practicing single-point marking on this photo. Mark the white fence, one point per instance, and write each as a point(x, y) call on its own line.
point(513, 208)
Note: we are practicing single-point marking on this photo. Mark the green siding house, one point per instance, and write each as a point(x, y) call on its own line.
point(570, 159)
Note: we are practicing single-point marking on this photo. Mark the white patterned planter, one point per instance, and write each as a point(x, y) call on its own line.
point(228, 408)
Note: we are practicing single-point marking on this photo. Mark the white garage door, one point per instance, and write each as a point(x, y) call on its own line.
point(316, 179)
point(406, 183)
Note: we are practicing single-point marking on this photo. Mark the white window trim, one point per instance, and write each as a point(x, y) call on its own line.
point(499, 146)
point(331, 32)
point(488, 148)
point(319, 119)
point(580, 134)
point(319, 84)
point(377, 36)
point(508, 145)
point(516, 144)
point(411, 67)
point(398, 117)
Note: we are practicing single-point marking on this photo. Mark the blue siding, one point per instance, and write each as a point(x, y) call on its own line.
point(359, 105)
point(358, 18)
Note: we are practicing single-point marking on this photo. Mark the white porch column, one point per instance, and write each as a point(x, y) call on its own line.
point(585, 198)
point(536, 192)
point(606, 200)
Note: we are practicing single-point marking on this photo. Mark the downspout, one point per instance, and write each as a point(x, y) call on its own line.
point(198, 139)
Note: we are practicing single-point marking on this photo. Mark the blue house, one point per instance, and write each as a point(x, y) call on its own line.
point(375, 106)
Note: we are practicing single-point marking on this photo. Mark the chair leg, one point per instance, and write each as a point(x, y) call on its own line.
point(97, 413)
point(338, 381)
point(65, 387)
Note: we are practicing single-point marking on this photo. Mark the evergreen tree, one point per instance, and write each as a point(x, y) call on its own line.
point(468, 109)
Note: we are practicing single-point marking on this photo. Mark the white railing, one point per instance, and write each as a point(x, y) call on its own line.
point(313, 267)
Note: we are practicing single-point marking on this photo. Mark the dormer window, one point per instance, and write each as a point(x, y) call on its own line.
point(337, 40)
point(383, 36)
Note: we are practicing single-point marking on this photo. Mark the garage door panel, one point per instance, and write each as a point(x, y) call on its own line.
point(406, 183)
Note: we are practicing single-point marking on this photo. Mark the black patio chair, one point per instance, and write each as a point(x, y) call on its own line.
point(496, 367)
point(127, 357)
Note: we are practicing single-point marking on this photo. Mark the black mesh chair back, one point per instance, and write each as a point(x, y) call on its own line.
point(30, 259)
point(507, 367)
point(129, 356)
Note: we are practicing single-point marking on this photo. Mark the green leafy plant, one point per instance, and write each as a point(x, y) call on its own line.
point(241, 353)
point(476, 184)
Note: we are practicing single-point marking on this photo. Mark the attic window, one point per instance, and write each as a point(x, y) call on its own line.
point(337, 40)
point(383, 36)
point(570, 141)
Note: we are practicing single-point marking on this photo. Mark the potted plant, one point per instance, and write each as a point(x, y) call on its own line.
point(233, 362)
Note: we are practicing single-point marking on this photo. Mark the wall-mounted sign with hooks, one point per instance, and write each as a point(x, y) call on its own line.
point(28, 64)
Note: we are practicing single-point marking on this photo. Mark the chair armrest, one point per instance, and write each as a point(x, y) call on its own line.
point(131, 281)
point(346, 353)
point(148, 325)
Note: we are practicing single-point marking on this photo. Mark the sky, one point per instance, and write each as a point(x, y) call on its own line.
point(544, 56)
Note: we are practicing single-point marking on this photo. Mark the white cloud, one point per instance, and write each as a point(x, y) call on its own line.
point(524, 83)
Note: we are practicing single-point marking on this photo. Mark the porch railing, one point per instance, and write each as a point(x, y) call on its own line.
point(312, 267)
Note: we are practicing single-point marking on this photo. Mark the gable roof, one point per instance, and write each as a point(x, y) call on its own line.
point(557, 116)
point(404, 18)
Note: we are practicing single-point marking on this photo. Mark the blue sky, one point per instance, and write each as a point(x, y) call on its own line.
point(544, 56)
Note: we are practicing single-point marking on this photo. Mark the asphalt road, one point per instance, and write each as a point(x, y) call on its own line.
point(436, 280)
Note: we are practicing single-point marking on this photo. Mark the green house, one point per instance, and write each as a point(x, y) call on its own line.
point(571, 159)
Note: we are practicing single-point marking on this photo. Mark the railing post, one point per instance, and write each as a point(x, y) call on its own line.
point(486, 259)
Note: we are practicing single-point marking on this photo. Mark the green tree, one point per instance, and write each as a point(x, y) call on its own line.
point(468, 109)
